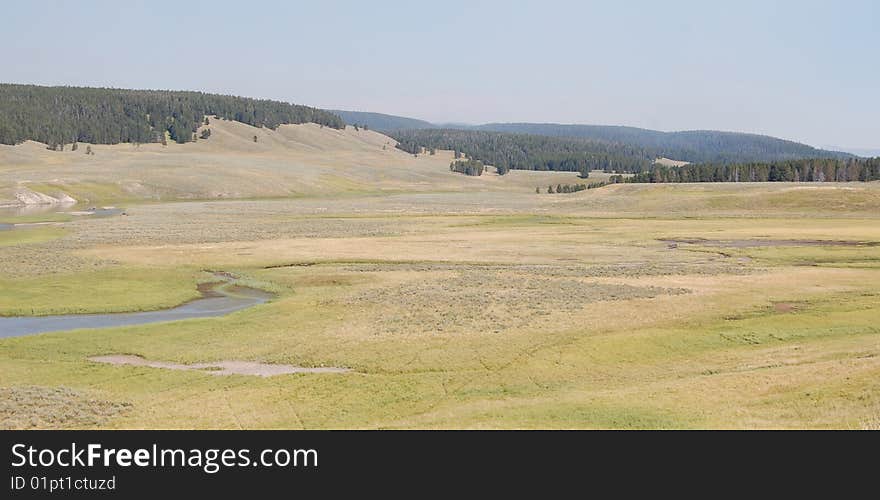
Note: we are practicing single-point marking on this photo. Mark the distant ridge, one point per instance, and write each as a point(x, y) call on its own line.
point(691, 146)
point(695, 146)
point(382, 122)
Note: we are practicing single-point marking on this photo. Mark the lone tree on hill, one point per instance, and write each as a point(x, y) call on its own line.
point(584, 172)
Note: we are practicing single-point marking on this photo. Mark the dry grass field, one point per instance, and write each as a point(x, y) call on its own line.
point(456, 302)
point(293, 161)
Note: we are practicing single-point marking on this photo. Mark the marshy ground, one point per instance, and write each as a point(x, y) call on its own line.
point(629, 306)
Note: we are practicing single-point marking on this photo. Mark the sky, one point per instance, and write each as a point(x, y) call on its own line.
point(801, 70)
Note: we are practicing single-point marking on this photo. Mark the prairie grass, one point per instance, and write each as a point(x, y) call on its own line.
point(111, 289)
point(34, 407)
point(30, 235)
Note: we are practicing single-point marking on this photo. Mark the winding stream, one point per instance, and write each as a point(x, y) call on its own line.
point(217, 299)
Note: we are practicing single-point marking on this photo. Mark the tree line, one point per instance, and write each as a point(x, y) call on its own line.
point(564, 188)
point(507, 151)
point(805, 170)
point(64, 115)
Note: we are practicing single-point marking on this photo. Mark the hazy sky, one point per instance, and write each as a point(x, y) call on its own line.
point(802, 70)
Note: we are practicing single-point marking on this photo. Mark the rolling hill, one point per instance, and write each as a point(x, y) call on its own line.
point(293, 160)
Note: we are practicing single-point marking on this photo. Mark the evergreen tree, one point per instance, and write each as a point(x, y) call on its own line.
point(584, 172)
point(804, 170)
point(468, 167)
point(526, 152)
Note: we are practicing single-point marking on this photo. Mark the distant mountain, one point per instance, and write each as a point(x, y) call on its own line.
point(696, 146)
point(382, 122)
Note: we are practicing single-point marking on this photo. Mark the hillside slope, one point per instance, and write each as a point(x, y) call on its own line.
point(293, 160)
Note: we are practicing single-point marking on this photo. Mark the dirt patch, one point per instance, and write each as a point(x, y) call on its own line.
point(784, 307)
point(219, 367)
point(755, 243)
point(36, 407)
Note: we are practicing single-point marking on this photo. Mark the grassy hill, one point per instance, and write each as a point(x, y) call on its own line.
point(293, 160)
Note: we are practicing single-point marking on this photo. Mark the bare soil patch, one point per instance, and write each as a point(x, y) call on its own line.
point(783, 307)
point(218, 367)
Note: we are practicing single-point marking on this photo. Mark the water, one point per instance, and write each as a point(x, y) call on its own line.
point(217, 301)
